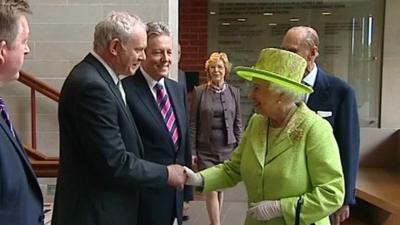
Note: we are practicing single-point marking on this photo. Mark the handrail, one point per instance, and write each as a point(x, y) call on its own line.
point(44, 166)
point(36, 155)
point(39, 86)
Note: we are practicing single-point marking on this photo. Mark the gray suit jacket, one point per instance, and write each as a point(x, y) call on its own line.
point(201, 116)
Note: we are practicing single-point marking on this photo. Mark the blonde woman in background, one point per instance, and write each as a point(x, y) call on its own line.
point(215, 123)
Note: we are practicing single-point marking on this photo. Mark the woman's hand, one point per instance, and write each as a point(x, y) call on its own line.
point(194, 179)
point(265, 210)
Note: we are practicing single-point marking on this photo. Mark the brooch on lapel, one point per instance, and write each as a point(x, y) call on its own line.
point(297, 134)
point(294, 131)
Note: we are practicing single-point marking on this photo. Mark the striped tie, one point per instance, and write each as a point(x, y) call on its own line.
point(167, 112)
point(6, 116)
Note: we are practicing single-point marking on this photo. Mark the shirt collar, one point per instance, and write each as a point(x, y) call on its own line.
point(150, 81)
point(108, 68)
point(311, 77)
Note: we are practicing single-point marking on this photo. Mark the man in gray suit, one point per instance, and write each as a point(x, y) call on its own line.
point(101, 156)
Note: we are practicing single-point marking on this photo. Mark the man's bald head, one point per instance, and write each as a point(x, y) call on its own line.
point(304, 41)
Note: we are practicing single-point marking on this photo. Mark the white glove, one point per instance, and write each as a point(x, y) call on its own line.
point(194, 179)
point(265, 210)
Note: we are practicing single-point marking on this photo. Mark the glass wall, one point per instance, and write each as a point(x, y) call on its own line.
point(350, 40)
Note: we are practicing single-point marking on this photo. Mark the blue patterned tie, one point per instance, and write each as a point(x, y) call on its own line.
point(6, 116)
point(167, 112)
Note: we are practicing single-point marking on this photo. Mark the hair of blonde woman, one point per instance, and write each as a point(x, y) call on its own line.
point(116, 25)
point(214, 57)
point(10, 12)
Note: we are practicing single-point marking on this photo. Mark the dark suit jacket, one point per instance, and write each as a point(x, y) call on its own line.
point(158, 206)
point(101, 166)
point(21, 201)
point(331, 94)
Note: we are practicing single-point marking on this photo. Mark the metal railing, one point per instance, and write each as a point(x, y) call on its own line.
point(44, 166)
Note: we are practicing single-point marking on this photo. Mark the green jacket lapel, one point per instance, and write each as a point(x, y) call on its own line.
point(291, 133)
point(258, 141)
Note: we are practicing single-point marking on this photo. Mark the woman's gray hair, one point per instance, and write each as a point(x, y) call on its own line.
point(158, 29)
point(287, 93)
point(116, 25)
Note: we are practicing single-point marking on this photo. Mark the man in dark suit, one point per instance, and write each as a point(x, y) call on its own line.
point(164, 142)
point(101, 156)
point(21, 201)
point(334, 100)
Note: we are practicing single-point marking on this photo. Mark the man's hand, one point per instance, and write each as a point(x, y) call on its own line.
point(265, 210)
point(194, 179)
point(176, 176)
point(342, 214)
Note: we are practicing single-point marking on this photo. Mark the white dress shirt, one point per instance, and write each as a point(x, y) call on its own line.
point(113, 75)
point(309, 80)
point(151, 83)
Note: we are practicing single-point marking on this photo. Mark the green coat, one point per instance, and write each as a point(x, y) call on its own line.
point(304, 162)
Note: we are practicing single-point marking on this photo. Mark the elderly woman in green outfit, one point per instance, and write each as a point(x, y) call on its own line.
point(288, 158)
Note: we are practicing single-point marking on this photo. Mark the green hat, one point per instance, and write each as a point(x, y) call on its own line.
point(280, 67)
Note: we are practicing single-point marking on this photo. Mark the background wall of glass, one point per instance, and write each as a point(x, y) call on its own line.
point(350, 40)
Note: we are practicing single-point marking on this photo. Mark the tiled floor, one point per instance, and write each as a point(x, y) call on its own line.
point(233, 211)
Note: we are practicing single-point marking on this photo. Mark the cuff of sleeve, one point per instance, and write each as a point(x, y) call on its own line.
point(288, 209)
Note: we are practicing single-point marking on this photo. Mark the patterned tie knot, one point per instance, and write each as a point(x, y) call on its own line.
point(159, 88)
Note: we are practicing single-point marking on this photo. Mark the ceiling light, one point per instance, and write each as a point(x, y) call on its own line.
point(225, 24)
point(326, 13)
point(268, 14)
point(212, 13)
point(272, 24)
point(241, 19)
point(294, 19)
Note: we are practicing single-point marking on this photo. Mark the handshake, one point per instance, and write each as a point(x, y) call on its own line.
point(179, 175)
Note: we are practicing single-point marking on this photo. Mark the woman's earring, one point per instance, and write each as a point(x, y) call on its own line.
point(279, 102)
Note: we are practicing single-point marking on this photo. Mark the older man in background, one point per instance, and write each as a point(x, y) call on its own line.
point(335, 101)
